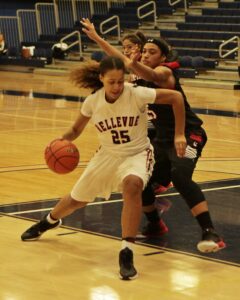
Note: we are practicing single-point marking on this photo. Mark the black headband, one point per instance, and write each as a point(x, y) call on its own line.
point(162, 45)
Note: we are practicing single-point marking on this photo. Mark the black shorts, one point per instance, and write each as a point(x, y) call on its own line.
point(167, 159)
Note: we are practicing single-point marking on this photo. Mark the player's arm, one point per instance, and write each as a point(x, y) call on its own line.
point(90, 31)
point(174, 98)
point(161, 75)
point(77, 128)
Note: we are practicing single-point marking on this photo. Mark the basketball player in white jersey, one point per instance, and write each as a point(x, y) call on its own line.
point(154, 71)
point(125, 159)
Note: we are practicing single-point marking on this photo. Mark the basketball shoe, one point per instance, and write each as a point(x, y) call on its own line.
point(155, 229)
point(127, 269)
point(35, 231)
point(161, 189)
point(211, 241)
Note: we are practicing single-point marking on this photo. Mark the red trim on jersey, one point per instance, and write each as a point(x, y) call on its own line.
point(149, 159)
point(171, 65)
point(197, 138)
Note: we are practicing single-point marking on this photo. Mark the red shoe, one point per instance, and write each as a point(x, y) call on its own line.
point(155, 229)
point(161, 189)
point(211, 242)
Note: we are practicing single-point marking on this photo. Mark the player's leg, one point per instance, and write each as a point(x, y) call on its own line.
point(130, 220)
point(83, 189)
point(135, 172)
point(63, 208)
point(132, 205)
point(182, 171)
point(161, 176)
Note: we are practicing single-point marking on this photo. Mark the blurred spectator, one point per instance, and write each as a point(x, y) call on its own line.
point(27, 52)
point(60, 50)
point(3, 45)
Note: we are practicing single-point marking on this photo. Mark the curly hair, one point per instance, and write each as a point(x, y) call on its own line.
point(87, 76)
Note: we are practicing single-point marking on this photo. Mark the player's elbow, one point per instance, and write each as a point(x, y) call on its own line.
point(177, 98)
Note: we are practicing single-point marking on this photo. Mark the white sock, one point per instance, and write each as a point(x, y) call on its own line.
point(126, 244)
point(50, 219)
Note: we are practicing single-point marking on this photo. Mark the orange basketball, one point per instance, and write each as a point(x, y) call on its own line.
point(61, 156)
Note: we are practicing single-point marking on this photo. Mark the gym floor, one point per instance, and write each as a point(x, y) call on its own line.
point(79, 260)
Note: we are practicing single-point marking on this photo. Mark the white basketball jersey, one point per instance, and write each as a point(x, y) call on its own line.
point(122, 125)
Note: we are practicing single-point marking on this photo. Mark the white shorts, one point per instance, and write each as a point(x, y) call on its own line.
point(105, 173)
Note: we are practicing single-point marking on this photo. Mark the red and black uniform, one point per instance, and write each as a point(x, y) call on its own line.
point(169, 167)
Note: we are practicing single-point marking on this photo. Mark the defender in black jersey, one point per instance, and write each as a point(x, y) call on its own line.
point(169, 167)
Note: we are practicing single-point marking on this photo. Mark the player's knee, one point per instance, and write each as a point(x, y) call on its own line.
point(193, 195)
point(188, 189)
point(75, 204)
point(132, 185)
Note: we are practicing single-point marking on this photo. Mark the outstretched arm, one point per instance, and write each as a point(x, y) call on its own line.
point(174, 98)
point(90, 31)
point(161, 76)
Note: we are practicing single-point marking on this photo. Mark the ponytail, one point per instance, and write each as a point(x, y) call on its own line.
point(87, 76)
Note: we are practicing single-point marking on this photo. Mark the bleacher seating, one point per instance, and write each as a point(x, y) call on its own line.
point(198, 36)
point(230, 5)
point(214, 19)
point(220, 11)
point(209, 27)
point(8, 8)
point(186, 73)
point(203, 34)
point(39, 60)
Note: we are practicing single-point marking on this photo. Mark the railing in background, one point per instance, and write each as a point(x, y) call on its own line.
point(47, 18)
point(71, 11)
point(172, 3)
point(9, 28)
point(151, 12)
point(109, 29)
point(77, 42)
point(235, 39)
point(27, 25)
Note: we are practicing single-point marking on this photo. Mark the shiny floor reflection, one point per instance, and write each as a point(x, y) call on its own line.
point(184, 233)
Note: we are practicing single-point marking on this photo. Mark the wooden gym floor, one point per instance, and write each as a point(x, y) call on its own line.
point(79, 260)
